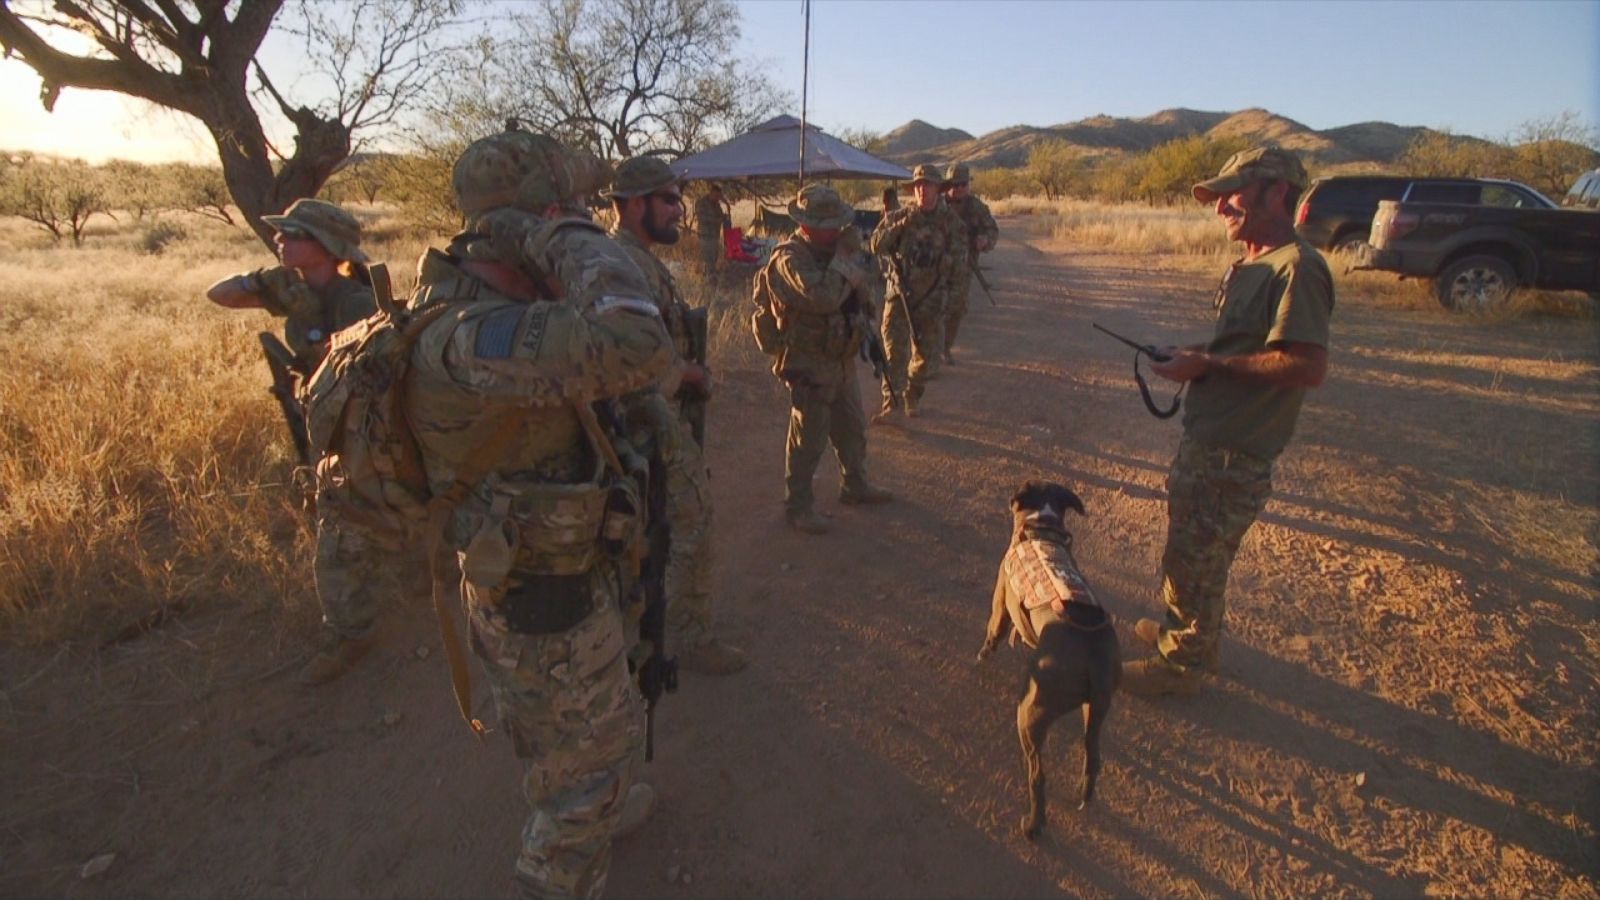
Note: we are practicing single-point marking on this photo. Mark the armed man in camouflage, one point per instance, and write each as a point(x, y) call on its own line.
point(710, 215)
point(547, 319)
point(923, 248)
point(982, 232)
point(1246, 387)
point(649, 205)
point(816, 285)
point(321, 287)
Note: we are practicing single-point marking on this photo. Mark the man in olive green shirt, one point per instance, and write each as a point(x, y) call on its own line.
point(1246, 388)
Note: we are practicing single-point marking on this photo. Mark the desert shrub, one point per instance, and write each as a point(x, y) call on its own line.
point(156, 238)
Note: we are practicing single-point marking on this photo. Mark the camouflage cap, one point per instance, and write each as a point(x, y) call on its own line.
point(335, 229)
point(524, 171)
point(820, 206)
point(1246, 166)
point(639, 176)
point(927, 172)
point(958, 173)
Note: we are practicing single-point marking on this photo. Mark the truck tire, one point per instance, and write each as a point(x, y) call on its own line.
point(1475, 284)
point(1348, 243)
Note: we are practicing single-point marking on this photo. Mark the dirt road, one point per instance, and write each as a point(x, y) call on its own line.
point(1407, 704)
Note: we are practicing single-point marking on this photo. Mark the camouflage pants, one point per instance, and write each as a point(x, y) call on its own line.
point(819, 414)
point(955, 307)
point(912, 361)
point(576, 720)
point(710, 251)
point(354, 574)
point(689, 619)
point(1213, 497)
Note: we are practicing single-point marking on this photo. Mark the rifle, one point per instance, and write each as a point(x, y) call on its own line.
point(983, 282)
point(285, 368)
point(658, 673)
point(697, 324)
point(1155, 355)
point(872, 352)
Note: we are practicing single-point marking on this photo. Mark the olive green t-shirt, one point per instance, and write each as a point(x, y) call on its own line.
point(1283, 296)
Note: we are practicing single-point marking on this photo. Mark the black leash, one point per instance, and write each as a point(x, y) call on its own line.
point(1144, 388)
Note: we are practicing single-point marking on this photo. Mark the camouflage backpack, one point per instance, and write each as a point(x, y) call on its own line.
point(369, 467)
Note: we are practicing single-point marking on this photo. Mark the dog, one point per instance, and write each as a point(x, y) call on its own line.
point(1041, 599)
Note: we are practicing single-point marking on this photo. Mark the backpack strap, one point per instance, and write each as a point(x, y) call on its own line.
point(441, 558)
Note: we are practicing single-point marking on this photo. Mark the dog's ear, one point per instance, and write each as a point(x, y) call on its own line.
point(1028, 496)
point(1067, 499)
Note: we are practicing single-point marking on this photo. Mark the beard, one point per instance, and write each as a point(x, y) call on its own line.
point(662, 232)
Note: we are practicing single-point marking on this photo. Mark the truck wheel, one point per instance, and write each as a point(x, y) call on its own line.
point(1348, 244)
point(1475, 284)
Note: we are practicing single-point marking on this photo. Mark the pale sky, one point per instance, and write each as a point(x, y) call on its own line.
point(1479, 68)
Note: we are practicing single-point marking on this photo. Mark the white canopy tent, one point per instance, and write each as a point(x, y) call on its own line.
point(772, 150)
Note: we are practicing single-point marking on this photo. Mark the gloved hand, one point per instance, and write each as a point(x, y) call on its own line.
point(508, 231)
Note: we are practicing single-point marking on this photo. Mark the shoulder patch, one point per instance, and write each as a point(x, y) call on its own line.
point(610, 304)
point(496, 331)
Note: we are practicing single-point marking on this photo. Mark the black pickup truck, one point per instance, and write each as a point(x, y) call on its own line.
point(1479, 240)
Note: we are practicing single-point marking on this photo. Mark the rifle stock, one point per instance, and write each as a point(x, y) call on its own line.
point(283, 365)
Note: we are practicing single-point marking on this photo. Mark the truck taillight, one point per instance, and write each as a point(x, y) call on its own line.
point(1302, 213)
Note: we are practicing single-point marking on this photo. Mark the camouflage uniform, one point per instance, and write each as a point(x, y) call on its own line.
point(923, 253)
point(542, 587)
point(709, 217)
point(689, 563)
point(353, 573)
point(817, 295)
point(975, 215)
point(1234, 429)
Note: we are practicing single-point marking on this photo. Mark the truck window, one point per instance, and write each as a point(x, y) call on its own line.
point(1445, 193)
point(1500, 195)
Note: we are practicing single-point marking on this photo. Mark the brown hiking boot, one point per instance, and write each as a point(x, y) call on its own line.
point(637, 808)
point(335, 659)
point(866, 495)
point(1155, 676)
point(713, 658)
point(911, 407)
point(1148, 630)
point(889, 415)
point(806, 520)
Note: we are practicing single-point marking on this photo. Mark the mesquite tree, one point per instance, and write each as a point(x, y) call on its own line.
point(199, 57)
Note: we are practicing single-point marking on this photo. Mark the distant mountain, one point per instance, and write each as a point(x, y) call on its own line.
point(917, 135)
point(1370, 143)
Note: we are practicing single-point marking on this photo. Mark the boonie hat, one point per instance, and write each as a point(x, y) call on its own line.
point(336, 230)
point(927, 172)
point(958, 173)
point(820, 206)
point(524, 171)
point(1258, 164)
point(639, 176)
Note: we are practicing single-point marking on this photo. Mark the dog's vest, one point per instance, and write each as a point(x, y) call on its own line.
point(1046, 587)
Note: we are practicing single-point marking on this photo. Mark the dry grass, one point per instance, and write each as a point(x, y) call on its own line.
point(142, 462)
point(1188, 230)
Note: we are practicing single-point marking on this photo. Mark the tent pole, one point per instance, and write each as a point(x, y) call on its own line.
point(805, 79)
